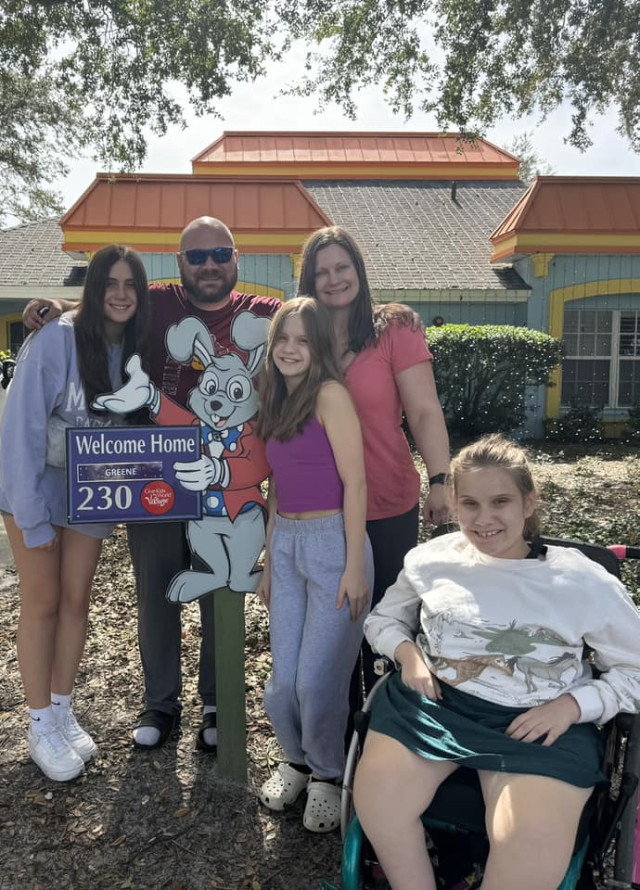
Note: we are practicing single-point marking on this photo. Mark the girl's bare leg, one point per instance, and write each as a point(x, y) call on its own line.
point(79, 560)
point(39, 575)
point(393, 787)
point(532, 823)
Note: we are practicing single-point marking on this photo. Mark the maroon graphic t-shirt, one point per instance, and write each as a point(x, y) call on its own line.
point(170, 305)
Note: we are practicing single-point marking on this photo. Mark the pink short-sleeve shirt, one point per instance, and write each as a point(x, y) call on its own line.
point(392, 480)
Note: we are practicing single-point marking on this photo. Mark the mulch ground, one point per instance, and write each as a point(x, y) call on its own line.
point(166, 819)
point(144, 820)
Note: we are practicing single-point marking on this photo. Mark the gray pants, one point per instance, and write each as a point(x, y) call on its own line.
point(159, 550)
point(314, 646)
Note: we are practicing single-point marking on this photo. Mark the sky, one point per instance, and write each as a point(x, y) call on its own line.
point(258, 106)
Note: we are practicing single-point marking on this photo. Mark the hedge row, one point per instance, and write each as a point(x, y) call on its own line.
point(483, 371)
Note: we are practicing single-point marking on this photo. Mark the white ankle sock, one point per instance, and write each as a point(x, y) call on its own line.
point(210, 735)
point(60, 705)
point(146, 735)
point(42, 719)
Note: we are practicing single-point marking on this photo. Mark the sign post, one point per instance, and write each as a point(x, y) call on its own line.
point(230, 684)
point(125, 474)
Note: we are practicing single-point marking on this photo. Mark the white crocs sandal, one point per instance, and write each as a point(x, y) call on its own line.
point(322, 812)
point(283, 788)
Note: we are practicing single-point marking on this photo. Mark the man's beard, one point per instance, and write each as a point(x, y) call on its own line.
point(195, 291)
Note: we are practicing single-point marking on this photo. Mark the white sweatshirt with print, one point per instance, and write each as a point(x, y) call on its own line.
point(512, 631)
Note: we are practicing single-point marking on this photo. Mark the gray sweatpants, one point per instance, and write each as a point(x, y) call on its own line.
point(314, 646)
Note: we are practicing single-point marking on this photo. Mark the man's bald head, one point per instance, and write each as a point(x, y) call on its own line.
point(207, 277)
point(203, 226)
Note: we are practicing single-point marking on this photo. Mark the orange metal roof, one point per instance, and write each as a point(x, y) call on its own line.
point(318, 155)
point(148, 212)
point(564, 214)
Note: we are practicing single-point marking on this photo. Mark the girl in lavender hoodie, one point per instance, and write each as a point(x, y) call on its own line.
point(60, 370)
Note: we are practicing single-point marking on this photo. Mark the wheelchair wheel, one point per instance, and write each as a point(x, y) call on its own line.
point(358, 863)
point(361, 723)
point(627, 851)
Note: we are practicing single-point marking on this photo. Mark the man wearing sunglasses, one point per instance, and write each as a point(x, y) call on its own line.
point(208, 263)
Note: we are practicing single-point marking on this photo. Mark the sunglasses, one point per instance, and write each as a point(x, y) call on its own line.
point(199, 257)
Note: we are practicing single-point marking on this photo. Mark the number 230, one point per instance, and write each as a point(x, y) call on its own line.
point(121, 497)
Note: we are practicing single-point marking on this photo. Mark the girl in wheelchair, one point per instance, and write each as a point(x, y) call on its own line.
point(487, 627)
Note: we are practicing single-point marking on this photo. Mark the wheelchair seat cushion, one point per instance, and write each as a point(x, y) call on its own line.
point(470, 731)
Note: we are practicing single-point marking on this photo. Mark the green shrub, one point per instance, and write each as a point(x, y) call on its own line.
point(581, 423)
point(632, 426)
point(482, 372)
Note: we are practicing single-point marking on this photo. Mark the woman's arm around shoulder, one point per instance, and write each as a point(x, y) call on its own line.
point(385, 314)
point(38, 313)
point(337, 414)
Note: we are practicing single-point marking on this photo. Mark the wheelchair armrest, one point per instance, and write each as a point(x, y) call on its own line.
point(625, 722)
point(383, 665)
point(361, 723)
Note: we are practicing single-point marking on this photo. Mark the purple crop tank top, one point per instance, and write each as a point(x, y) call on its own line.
point(305, 472)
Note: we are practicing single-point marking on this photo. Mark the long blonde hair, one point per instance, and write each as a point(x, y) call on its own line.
point(283, 415)
point(497, 452)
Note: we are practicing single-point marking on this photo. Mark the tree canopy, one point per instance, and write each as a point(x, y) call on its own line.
point(472, 62)
point(91, 75)
point(532, 164)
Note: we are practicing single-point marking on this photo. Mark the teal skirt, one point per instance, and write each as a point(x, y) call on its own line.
point(470, 732)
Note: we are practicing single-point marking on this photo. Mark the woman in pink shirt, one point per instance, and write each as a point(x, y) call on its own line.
point(388, 371)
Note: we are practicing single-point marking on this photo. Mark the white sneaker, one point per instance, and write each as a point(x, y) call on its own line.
point(78, 738)
point(54, 755)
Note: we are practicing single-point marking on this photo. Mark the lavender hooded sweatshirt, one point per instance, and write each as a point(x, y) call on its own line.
point(46, 394)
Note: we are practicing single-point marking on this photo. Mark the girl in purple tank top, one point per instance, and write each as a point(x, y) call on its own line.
point(318, 571)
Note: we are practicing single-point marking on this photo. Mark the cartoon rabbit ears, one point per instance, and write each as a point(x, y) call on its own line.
point(190, 339)
point(250, 332)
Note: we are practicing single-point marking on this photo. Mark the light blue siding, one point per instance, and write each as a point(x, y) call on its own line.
point(263, 270)
point(473, 312)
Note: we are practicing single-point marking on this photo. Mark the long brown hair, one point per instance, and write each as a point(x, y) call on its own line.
point(361, 329)
point(283, 416)
point(91, 342)
point(499, 453)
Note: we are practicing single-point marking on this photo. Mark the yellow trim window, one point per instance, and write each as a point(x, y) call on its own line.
point(12, 334)
point(601, 367)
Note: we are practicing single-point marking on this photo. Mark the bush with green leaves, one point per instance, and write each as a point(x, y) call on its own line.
point(482, 372)
point(581, 423)
point(632, 425)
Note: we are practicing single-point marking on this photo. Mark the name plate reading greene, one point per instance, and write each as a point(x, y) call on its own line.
point(125, 474)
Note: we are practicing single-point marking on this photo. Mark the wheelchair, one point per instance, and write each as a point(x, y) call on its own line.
point(607, 848)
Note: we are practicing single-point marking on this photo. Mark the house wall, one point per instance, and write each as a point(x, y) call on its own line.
point(608, 282)
point(270, 274)
point(475, 313)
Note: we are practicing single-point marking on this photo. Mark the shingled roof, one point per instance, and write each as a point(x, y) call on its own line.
point(31, 256)
point(417, 236)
